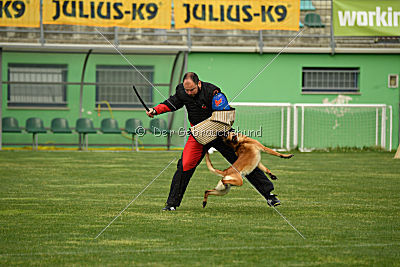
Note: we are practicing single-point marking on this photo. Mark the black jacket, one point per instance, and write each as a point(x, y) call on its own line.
point(198, 107)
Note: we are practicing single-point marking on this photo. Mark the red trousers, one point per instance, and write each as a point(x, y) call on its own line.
point(192, 154)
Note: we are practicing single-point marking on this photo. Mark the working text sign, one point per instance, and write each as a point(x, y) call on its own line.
point(366, 18)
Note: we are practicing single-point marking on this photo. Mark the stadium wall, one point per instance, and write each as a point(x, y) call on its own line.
point(280, 82)
point(74, 61)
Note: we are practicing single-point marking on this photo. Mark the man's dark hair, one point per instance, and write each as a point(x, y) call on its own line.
point(192, 76)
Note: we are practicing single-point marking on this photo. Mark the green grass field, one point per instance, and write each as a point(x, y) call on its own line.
point(53, 204)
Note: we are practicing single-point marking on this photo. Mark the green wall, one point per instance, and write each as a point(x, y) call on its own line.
point(162, 72)
point(280, 82)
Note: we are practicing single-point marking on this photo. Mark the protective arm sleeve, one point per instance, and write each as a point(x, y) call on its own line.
point(162, 108)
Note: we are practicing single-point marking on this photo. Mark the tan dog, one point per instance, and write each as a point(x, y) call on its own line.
point(248, 151)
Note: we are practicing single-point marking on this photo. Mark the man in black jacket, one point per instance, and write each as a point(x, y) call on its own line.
point(197, 97)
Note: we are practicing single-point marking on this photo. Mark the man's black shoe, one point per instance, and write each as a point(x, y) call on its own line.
point(273, 201)
point(169, 208)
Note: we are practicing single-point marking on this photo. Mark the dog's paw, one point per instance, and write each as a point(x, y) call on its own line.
point(204, 204)
point(273, 177)
point(287, 156)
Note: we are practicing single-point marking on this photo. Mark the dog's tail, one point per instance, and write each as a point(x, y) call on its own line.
point(211, 167)
point(273, 152)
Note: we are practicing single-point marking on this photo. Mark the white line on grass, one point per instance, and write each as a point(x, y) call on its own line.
point(172, 250)
point(135, 198)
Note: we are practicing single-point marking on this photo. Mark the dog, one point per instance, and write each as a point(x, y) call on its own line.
point(248, 151)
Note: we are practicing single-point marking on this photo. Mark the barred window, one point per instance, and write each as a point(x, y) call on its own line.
point(116, 95)
point(330, 80)
point(35, 91)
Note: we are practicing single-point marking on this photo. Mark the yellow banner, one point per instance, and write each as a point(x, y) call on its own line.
point(238, 14)
point(123, 13)
point(24, 13)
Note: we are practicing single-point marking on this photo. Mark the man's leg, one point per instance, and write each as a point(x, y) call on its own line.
point(179, 183)
point(191, 156)
point(257, 177)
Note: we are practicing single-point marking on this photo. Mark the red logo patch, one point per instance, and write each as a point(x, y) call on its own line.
point(217, 102)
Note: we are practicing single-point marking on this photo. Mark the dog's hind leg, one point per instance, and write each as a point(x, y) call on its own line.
point(220, 190)
point(267, 171)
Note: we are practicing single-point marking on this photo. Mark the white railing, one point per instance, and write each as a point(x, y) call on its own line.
point(288, 138)
point(380, 122)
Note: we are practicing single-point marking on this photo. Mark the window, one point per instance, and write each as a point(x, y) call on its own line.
point(36, 90)
point(330, 80)
point(116, 95)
